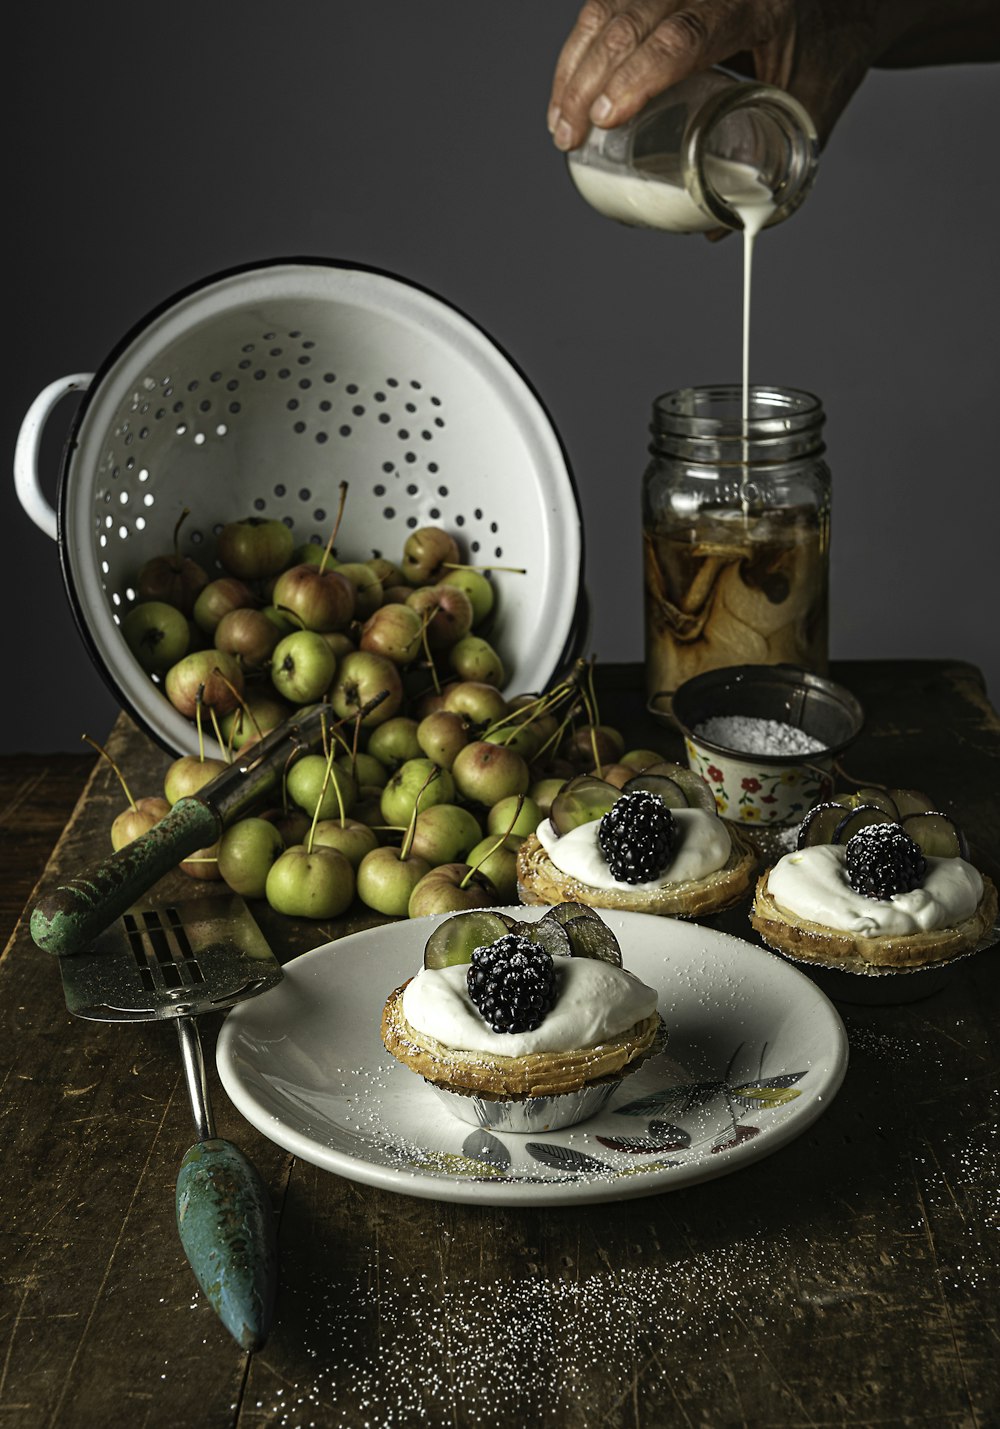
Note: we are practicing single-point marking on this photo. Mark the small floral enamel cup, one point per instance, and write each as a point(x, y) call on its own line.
point(767, 789)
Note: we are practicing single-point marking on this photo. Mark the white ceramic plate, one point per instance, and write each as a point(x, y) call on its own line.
point(754, 1054)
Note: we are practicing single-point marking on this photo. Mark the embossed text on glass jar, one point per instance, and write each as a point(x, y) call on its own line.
point(736, 534)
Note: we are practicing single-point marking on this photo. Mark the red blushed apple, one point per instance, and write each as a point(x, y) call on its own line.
point(480, 702)
point(426, 553)
point(452, 888)
point(486, 773)
point(321, 599)
point(360, 677)
point(219, 673)
point(176, 580)
point(448, 612)
point(131, 823)
point(218, 599)
point(393, 631)
point(247, 634)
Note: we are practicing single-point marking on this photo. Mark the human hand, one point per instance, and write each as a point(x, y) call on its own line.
point(620, 53)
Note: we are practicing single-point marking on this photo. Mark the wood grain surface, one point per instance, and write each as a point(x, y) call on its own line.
point(850, 1279)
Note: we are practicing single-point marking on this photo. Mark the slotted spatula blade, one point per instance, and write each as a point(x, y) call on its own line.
point(172, 962)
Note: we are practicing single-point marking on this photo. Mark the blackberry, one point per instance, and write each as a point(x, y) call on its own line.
point(636, 837)
point(512, 982)
point(882, 859)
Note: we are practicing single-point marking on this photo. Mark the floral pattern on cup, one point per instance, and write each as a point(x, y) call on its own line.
point(749, 790)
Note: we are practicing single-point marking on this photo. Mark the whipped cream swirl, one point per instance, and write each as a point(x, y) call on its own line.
point(702, 846)
point(813, 884)
point(594, 1001)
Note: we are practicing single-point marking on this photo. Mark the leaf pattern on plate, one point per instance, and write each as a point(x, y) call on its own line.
point(676, 1101)
point(768, 1091)
point(482, 1145)
point(448, 1163)
point(640, 1168)
point(564, 1158)
point(639, 1146)
point(740, 1134)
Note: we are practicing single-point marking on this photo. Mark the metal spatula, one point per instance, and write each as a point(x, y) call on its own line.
point(175, 962)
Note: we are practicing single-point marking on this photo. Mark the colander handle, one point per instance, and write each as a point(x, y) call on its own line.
point(27, 478)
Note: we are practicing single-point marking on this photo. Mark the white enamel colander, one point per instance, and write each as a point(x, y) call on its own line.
point(257, 392)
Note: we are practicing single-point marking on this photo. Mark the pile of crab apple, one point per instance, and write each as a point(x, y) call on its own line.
point(416, 804)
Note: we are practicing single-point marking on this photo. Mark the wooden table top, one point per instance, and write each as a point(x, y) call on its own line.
point(849, 1279)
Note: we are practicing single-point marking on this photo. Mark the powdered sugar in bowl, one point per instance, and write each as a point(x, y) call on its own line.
point(765, 738)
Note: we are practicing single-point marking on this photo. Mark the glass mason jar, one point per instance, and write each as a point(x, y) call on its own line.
point(736, 534)
point(698, 153)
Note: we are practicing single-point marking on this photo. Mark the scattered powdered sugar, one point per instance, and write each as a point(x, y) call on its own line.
point(745, 734)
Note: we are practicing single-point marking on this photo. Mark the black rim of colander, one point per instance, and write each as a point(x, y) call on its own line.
point(578, 626)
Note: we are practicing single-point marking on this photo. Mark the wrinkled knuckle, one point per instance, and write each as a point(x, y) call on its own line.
point(623, 35)
point(683, 36)
point(594, 16)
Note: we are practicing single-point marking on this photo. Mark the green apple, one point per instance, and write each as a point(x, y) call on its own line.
point(386, 880)
point(395, 741)
point(353, 838)
point(499, 819)
point(360, 677)
point(444, 833)
point(247, 850)
point(498, 863)
point(157, 634)
point(302, 667)
point(412, 781)
point(189, 774)
point(316, 884)
point(255, 547)
point(138, 819)
point(305, 781)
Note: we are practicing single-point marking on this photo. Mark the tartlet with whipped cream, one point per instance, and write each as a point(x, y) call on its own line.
point(522, 1026)
point(868, 892)
point(655, 846)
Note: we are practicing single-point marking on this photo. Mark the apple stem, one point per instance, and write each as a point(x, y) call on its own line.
point(464, 566)
point(177, 533)
point(319, 801)
point(292, 615)
point(336, 527)
point(244, 709)
point(121, 777)
point(426, 619)
point(494, 846)
point(218, 733)
point(197, 719)
point(411, 828)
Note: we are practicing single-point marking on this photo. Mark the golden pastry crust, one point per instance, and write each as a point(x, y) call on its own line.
point(799, 938)
point(513, 1078)
point(539, 881)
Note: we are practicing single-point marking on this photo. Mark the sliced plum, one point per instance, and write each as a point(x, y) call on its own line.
point(592, 938)
point(581, 801)
point(937, 834)
point(860, 818)
point(697, 793)
point(665, 788)
point(453, 941)
point(868, 795)
point(551, 934)
point(911, 801)
point(563, 912)
point(819, 824)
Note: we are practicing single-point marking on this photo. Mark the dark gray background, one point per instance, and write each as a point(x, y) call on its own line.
point(153, 148)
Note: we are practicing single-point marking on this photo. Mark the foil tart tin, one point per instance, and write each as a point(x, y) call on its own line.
point(529, 1114)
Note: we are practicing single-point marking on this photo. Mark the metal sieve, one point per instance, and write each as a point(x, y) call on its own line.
point(256, 392)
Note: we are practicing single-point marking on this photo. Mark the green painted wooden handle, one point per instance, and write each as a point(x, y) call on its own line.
point(227, 1230)
point(68, 919)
